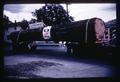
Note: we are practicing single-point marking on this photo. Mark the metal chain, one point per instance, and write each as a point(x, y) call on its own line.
point(86, 30)
point(18, 35)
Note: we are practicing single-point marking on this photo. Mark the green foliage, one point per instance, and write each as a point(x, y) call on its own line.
point(52, 14)
point(6, 21)
point(24, 24)
point(32, 20)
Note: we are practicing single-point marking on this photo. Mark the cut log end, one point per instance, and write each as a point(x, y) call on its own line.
point(100, 30)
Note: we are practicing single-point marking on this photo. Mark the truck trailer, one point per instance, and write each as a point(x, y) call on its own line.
point(77, 35)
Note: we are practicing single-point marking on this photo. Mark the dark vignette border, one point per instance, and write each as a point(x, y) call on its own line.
point(52, 1)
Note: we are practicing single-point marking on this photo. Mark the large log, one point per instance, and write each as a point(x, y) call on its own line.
point(27, 35)
point(84, 31)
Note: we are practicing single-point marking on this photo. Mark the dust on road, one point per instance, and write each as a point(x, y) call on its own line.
point(27, 67)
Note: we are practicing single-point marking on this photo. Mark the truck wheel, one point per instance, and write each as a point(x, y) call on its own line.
point(69, 49)
point(75, 50)
point(33, 47)
point(15, 48)
point(20, 47)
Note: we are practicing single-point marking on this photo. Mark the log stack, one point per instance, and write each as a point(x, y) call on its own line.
point(27, 35)
point(84, 31)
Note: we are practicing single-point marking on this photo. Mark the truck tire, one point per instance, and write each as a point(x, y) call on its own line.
point(14, 48)
point(69, 49)
point(23, 47)
point(33, 47)
point(72, 49)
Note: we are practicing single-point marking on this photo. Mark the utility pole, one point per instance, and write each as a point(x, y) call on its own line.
point(15, 25)
point(67, 12)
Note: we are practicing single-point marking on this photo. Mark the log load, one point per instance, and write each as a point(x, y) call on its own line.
point(84, 31)
point(27, 35)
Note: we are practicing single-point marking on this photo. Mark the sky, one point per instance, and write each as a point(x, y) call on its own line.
point(105, 11)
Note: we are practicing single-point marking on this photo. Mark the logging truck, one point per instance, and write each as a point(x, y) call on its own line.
point(77, 35)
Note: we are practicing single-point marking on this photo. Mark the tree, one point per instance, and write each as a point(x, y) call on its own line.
point(6, 21)
point(52, 14)
point(24, 24)
point(32, 20)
